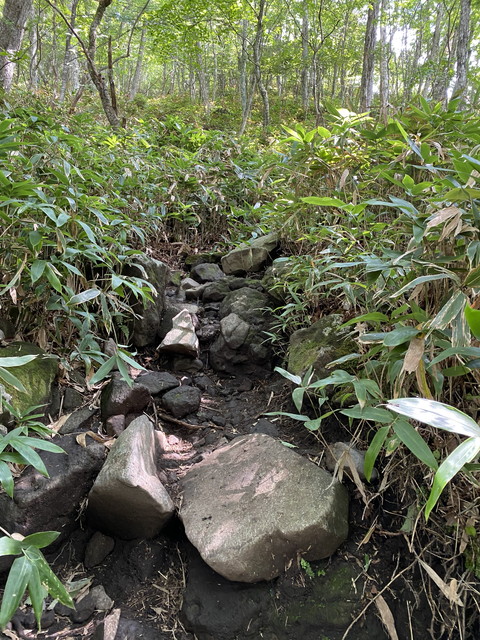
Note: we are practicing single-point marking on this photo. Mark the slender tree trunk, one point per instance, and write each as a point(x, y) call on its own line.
point(433, 54)
point(34, 57)
point(257, 57)
point(242, 69)
point(138, 67)
point(366, 84)
point(12, 29)
point(305, 62)
point(202, 78)
point(384, 60)
point(463, 48)
point(69, 73)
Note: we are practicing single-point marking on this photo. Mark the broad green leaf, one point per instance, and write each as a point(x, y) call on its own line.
point(9, 378)
point(84, 296)
point(15, 587)
point(338, 377)
point(469, 352)
point(449, 311)
point(323, 202)
point(30, 456)
point(472, 279)
point(436, 414)
point(44, 445)
point(374, 316)
point(37, 269)
point(53, 278)
point(6, 478)
point(464, 453)
point(290, 376)
point(399, 336)
point(472, 316)
point(462, 194)
point(422, 280)
point(37, 594)
point(16, 361)
point(297, 397)
point(294, 416)
point(373, 450)
point(414, 441)
point(124, 372)
point(9, 546)
point(313, 425)
point(325, 133)
point(126, 358)
point(40, 539)
point(369, 413)
point(48, 579)
point(103, 371)
point(348, 358)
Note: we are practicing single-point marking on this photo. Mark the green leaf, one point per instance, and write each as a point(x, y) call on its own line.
point(37, 269)
point(472, 316)
point(48, 579)
point(289, 376)
point(436, 414)
point(9, 378)
point(16, 361)
point(472, 352)
point(129, 360)
point(449, 311)
point(414, 441)
point(339, 376)
point(44, 445)
point(313, 425)
point(9, 546)
point(124, 371)
point(6, 478)
point(30, 456)
point(323, 202)
point(15, 587)
point(368, 413)
point(297, 397)
point(40, 539)
point(53, 278)
point(84, 296)
point(373, 450)
point(422, 280)
point(399, 336)
point(374, 316)
point(464, 453)
point(37, 594)
point(103, 371)
point(472, 279)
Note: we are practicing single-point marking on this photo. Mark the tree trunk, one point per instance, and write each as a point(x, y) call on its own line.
point(34, 57)
point(202, 79)
point(433, 55)
point(12, 29)
point(242, 69)
point(70, 73)
point(366, 84)
point(462, 48)
point(384, 70)
point(138, 67)
point(305, 64)
point(257, 56)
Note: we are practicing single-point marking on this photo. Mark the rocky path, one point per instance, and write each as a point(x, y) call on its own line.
point(196, 460)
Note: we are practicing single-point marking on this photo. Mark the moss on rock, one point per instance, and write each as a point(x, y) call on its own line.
point(36, 376)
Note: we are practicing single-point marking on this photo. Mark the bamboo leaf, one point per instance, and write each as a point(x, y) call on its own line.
point(17, 581)
point(414, 441)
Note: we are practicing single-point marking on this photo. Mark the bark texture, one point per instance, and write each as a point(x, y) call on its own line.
point(12, 29)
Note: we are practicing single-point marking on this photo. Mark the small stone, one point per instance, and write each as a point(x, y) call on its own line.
point(98, 548)
point(347, 455)
point(100, 598)
point(119, 398)
point(216, 291)
point(266, 427)
point(189, 283)
point(182, 337)
point(184, 363)
point(72, 399)
point(207, 272)
point(114, 425)
point(157, 381)
point(234, 330)
point(76, 421)
point(182, 401)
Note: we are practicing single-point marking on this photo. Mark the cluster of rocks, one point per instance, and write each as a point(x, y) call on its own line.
point(271, 505)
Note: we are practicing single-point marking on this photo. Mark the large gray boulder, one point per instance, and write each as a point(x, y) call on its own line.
point(251, 256)
point(249, 304)
point(147, 324)
point(51, 504)
point(318, 345)
point(128, 500)
point(253, 506)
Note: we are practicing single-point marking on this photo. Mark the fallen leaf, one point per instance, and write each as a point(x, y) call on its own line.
point(386, 616)
point(448, 590)
point(414, 355)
